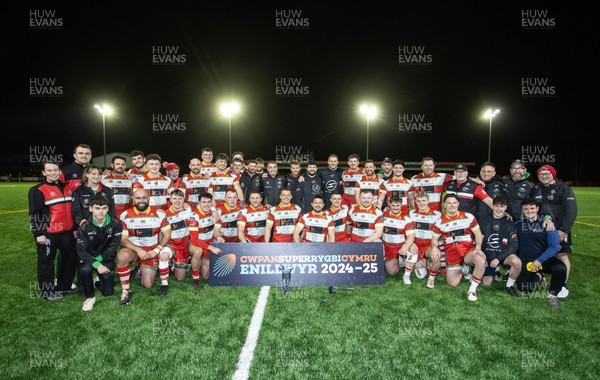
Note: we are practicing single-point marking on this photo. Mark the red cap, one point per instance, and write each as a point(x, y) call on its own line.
point(170, 166)
point(548, 168)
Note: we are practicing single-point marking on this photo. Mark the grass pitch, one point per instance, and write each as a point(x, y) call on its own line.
point(376, 332)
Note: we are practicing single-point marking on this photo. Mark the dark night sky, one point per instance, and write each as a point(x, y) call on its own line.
point(479, 55)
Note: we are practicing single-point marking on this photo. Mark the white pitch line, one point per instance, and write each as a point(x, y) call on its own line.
point(245, 360)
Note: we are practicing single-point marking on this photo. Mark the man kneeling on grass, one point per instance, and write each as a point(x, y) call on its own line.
point(501, 244)
point(97, 242)
point(145, 233)
point(537, 250)
point(456, 228)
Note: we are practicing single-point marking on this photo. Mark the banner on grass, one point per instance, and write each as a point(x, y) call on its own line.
point(313, 264)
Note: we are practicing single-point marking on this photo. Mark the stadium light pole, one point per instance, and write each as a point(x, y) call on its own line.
point(490, 114)
point(369, 111)
point(228, 109)
point(104, 110)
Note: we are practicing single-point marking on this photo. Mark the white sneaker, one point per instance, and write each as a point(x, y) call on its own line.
point(431, 283)
point(564, 293)
point(406, 280)
point(472, 296)
point(88, 304)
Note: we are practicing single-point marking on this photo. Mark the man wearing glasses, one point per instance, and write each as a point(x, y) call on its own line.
point(518, 188)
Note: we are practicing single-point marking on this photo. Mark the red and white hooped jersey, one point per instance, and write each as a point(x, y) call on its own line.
point(396, 228)
point(121, 188)
point(180, 234)
point(434, 185)
point(340, 221)
point(194, 186)
point(423, 223)
point(158, 189)
point(316, 226)
point(456, 229)
point(350, 178)
point(201, 226)
point(143, 228)
point(364, 221)
point(284, 220)
point(137, 174)
point(207, 169)
point(220, 183)
point(366, 182)
point(228, 222)
point(254, 221)
point(400, 187)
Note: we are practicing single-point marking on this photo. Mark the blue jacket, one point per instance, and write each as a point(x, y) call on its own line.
point(535, 243)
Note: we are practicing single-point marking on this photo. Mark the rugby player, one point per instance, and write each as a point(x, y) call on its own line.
point(339, 216)
point(397, 185)
point(458, 228)
point(430, 181)
point(222, 180)
point(349, 177)
point(120, 184)
point(369, 180)
point(315, 226)
point(398, 238)
point(158, 185)
point(423, 218)
point(253, 219)
point(365, 220)
point(145, 233)
point(226, 230)
point(282, 219)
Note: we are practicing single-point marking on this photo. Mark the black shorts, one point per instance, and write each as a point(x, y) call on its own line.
point(566, 245)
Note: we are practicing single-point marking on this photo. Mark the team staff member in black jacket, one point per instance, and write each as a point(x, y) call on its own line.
point(90, 188)
point(558, 201)
point(72, 173)
point(500, 244)
point(97, 242)
point(493, 186)
point(311, 186)
point(332, 179)
point(52, 226)
point(250, 181)
point(518, 188)
point(272, 184)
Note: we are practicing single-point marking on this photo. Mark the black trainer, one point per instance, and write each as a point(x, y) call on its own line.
point(511, 290)
point(163, 290)
point(197, 284)
point(135, 273)
point(125, 298)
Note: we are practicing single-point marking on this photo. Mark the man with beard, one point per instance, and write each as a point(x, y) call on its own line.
point(558, 201)
point(397, 186)
point(311, 186)
point(138, 160)
point(146, 232)
point(431, 182)
point(272, 184)
point(120, 184)
point(369, 180)
point(250, 181)
point(315, 226)
point(195, 183)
